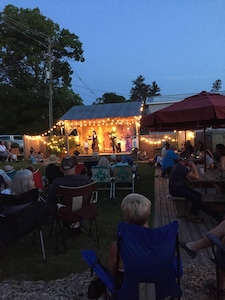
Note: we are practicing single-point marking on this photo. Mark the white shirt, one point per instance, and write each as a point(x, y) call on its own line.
point(5, 176)
point(3, 148)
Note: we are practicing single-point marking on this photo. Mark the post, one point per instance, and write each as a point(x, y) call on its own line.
point(50, 85)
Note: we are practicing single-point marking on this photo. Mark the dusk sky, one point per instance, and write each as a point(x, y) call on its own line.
point(180, 44)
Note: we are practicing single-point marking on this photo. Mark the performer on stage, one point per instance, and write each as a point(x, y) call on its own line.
point(86, 147)
point(94, 145)
point(113, 137)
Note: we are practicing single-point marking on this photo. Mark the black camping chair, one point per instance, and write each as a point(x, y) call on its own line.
point(19, 216)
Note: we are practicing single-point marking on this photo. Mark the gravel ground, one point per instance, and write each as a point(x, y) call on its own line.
point(74, 287)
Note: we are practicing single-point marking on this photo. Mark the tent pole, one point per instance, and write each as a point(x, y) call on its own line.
point(204, 138)
point(67, 138)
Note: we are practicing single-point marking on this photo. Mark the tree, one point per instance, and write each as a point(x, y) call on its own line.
point(109, 98)
point(154, 89)
point(31, 47)
point(216, 85)
point(141, 90)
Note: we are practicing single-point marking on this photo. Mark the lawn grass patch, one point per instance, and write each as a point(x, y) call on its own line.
point(23, 261)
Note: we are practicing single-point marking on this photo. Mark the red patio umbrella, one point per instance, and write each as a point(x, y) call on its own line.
point(195, 112)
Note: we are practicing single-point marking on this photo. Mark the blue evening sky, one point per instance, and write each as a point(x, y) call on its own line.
point(180, 44)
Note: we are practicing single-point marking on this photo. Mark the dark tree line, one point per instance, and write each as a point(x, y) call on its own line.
point(34, 66)
point(34, 50)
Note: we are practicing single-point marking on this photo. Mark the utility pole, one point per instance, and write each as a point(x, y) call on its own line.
point(49, 77)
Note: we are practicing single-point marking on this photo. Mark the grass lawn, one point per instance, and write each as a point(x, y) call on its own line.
point(23, 260)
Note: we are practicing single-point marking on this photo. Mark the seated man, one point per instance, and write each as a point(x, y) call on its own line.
point(53, 170)
point(119, 162)
point(128, 159)
point(184, 169)
point(168, 161)
point(69, 178)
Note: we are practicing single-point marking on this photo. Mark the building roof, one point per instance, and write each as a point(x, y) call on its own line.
point(168, 98)
point(101, 111)
point(157, 106)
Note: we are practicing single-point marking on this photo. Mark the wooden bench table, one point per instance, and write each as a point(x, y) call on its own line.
point(209, 179)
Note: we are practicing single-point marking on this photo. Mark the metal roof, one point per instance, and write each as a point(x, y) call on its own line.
point(168, 98)
point(101, 111)
point(157, 106)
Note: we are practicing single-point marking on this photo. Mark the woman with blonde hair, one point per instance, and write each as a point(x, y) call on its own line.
point(23, 209)
point(136, 209)
point(22, 182)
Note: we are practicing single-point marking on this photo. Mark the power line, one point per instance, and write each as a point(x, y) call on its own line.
point(87, 87)
point(103, 91)
point(9, 20)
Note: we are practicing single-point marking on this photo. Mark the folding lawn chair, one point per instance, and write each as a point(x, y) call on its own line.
point(151, 259)
point(78, 204)
point(104, 179)
point(21, 216)
point(124, 178)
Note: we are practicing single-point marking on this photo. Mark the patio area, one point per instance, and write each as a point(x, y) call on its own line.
point(196, 272)
point(165, 212)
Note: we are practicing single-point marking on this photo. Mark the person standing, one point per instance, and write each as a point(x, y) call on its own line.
point(94, 142)
point(188, 147)
point(86, 147)
point(113, 137)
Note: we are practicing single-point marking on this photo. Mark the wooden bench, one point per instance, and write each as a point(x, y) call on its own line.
point(18, 154)
point(214, 198)
point(165, 212)
point(180, 204)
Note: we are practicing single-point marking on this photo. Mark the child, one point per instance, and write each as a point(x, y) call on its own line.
point(86, 146)
point(40, 157)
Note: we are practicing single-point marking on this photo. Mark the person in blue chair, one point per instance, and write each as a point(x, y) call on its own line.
point(142, 260)
point(136, 209)
point(119, 162)
point(128, 159)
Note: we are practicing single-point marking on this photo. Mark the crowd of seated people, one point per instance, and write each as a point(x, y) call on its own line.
point(5, 153)
point(56, 173)
point(36, 157)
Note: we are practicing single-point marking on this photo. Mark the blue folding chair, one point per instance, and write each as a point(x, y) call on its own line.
point(149, 256)
point(218, 249)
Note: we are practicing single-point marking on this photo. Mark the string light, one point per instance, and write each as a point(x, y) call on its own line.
point(55, 138)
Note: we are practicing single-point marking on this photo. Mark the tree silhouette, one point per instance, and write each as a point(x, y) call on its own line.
point(216, 85)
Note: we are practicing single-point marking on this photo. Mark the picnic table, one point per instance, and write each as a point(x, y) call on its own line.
point(210, 179)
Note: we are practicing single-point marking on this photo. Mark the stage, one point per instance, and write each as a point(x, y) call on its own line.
point(96, 155)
